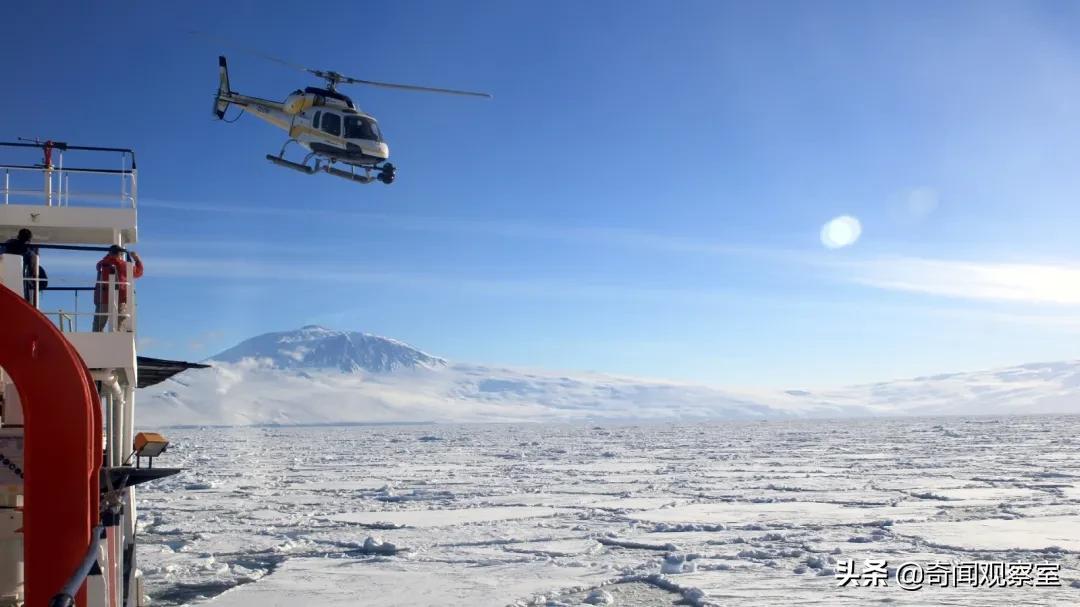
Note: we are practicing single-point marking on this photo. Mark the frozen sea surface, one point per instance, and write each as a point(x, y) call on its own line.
point(650, 515)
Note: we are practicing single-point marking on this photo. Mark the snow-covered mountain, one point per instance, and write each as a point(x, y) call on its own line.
point(318, 375)
point(315, 347)
point(1030, 388)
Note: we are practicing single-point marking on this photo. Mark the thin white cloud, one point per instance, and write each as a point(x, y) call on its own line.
point(1021, 282)
point(869, 273)
point(1065, 322)
point(1031, 283)
point(237, 270)
point(507, 229)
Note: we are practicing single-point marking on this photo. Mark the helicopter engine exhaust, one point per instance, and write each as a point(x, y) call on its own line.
point(297, 102)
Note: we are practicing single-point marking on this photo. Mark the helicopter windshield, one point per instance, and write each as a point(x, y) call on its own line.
point(358, 127)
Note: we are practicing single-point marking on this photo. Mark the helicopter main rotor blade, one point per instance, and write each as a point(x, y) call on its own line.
point(332, 77)
point(252, 51)
point(413, 87)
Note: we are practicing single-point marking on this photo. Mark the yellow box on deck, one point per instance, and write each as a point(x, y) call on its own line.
point(150, 444)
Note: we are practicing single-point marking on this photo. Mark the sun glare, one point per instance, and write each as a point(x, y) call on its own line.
point(841, 232)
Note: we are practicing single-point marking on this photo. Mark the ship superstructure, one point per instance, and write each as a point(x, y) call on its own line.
point(69, 368)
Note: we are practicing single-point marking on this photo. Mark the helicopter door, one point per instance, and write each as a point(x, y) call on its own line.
point(331, 124)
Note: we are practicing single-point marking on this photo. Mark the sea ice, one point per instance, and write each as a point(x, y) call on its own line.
point(751, 513)
point(443, 518)
point(1000, 534)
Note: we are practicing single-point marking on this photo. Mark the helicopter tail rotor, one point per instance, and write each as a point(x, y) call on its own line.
point(221, 101)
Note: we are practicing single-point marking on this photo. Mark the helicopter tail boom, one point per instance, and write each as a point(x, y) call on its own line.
point(221, 102)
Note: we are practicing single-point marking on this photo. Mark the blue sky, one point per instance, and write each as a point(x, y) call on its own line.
point(644, 195)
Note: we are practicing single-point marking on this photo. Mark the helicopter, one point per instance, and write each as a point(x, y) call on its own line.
point(326, 123)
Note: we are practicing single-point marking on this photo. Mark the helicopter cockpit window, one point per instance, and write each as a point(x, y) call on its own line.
point(331, 123)
point(357, 127)
point(315, 120)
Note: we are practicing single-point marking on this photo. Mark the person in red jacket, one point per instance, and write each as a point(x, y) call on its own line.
point(113, 265)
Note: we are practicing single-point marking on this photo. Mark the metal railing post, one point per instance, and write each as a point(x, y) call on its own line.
point(127, 429)
point(114, 305)
point(48, 185)
point(129, 305)
point(60, 182)
point(110, 426)
point(37, 283)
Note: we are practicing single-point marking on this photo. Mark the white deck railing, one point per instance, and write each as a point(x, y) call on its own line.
point(80, 311)
point(58, 193)
point(49, 183)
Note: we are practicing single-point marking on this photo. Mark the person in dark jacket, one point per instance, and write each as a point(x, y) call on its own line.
point(20, 245)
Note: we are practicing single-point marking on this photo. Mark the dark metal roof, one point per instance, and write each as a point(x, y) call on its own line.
point(126, 476)
point(156, 370)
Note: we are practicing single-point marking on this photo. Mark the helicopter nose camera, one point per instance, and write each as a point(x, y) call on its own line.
point(388, 173)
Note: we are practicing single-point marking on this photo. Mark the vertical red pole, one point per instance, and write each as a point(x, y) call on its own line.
point(62, 453)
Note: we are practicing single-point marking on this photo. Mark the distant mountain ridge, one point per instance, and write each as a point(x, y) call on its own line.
point(319, 375)
point(316, 347)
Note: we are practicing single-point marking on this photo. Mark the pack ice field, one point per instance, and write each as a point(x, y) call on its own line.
point(755, 513)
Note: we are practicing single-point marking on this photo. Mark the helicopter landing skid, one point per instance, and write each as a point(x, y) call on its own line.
point(350, 175)
point(307, 169)
point(301, 166)
point(296, 166)
point(386, 172)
